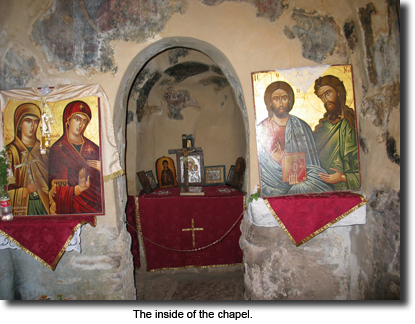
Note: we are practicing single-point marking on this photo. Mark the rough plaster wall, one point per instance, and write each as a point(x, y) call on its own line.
point(254, 36)
point(379, 240)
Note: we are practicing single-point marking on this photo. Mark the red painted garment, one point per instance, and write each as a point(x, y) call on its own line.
point(65, 163)
point(276, 135)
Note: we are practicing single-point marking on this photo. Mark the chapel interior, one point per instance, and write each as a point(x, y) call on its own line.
point(175, 67)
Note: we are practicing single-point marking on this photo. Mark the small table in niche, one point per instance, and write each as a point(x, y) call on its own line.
point(176, 229)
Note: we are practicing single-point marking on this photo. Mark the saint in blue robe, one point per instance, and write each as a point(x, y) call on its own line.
point(298, 138)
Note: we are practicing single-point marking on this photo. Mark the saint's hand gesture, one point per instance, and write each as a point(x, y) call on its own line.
point(336, 177)
point(293, 179)
point(94, 164)
point(277, 153)
point(32, 187)
point(84, 182)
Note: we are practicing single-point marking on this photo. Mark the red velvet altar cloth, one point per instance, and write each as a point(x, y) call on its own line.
point(304, 216)
point(165, 221)
point(132, 229)
point(45, 238)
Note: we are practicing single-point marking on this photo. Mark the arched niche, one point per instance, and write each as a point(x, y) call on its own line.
point(136, 67)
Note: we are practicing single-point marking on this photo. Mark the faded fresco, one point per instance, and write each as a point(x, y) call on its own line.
point(59, 174)
point(306, 130)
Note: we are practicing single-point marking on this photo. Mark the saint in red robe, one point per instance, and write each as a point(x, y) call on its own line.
point(66, 161)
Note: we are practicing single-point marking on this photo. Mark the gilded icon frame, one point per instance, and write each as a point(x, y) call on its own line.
point(38, 158)
point(301, 86)
point(197, 175)
point(214, 175)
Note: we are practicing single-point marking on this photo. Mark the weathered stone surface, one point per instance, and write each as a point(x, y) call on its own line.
point(365, 16)
point(158, 289)
point(363, 145)
point(379, 107)
point(381, 279)
point(216, 69)
point(271, 10)
point(212, 2)
point(391, 149)
point(177, 100)
point(288, 32)
point(76, 34)
point(350, 33)
point(184, 70)
point(102, 262)
point(130, 117)
point(379, 51)
point(277, 269)
point(176, 53)
point(141, 90)
point(219, 83)
point(19, 67)
point(95, 274)
point(319, 34)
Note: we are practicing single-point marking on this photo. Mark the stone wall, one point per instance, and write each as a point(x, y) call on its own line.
point(361, 261)
point(109, 42)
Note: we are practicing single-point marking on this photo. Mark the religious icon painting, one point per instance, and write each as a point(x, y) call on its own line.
point(196, 173)
point(238, 174)
point(306, 130)
point(230, 175)
point(55, 155)
point(215, 175)
point(151, 179)
point(145, 182)
point(166, 172)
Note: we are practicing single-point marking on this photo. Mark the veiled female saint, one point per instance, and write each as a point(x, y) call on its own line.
point(75, 168)
point(29, 194)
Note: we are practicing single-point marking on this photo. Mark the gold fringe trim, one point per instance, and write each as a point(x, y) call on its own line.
point(54, 264)
point(364, 202)
point(138, 224)
point(279, 221)
point(201, 267)
point(113, 175)
point(63, 250)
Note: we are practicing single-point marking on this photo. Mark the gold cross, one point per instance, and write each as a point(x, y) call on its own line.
point(193, 229)
point(90, 149)
point(81, 106)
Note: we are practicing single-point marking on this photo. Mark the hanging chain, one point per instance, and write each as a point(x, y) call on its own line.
point(192, 250)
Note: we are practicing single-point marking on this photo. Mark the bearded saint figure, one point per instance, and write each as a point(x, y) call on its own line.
point(335, 135)
point(283, 133)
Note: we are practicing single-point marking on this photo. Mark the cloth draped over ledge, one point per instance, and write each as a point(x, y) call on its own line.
point(46, 237)
point(304, 216)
